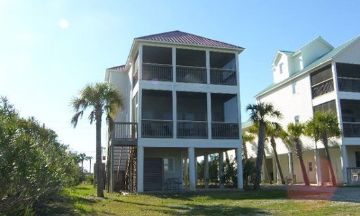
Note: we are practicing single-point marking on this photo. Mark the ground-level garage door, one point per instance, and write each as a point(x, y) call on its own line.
point(153, 174)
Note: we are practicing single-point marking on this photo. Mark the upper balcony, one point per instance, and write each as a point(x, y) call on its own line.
point(322, 81)
point(191, 111)
point(188, 66)
point(348, 77)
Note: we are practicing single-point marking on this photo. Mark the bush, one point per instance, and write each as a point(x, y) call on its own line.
point(33, 164)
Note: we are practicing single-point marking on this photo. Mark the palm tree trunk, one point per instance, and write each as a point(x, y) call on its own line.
point(302, 165)
point(82, 166)
point(245, 150)
point(273, 145)
point(260, 155)
point(90, 165)
point(99, 176)
point(332, 174)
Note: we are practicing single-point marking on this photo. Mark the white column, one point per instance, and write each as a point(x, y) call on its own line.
point(206, 170)
point(174, 102)
point(291, 167)
point(174, 111)
point(207, 66)
point(221, 169)
point(140, 169)
point(139, 116)
point(344, 162)
point(318, 167)
point(192, 168)
point(208, 95)
point(239, 171)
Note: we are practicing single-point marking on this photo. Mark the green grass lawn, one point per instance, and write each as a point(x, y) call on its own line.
point(81, 200)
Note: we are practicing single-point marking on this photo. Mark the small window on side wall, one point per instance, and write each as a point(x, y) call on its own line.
point(293, 86)
point(310, 166)
point(297, 119)
point(281, 67)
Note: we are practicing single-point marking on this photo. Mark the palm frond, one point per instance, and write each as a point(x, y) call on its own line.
point(75, 118)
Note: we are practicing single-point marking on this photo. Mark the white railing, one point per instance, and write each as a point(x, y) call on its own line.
point(190, 74)
point(192, 129)
point(152, 128)
point(157, 72)
point(322, 87)
point(124, 132)
point(223, 130)
point(220, 76)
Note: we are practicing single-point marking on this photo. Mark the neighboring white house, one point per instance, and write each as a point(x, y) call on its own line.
point(181, 101)
point(318, 77)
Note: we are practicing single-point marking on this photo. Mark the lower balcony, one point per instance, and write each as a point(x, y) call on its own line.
point(124, 134)
point(157, 128)
point(223, 130)
point(192, 129)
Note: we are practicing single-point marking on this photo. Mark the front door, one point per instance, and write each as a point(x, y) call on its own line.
point(153, 174)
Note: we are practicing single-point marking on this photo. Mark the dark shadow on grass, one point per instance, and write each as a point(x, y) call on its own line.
point(224, 195)
point(61, 205)
point(221, 210)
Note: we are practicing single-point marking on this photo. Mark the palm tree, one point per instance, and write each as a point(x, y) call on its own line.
point(323, 126)
point(293, 140)
point(82, 157)
point(273, 131)
point(246, 137)
point(100, 98)
point(259, 114)
point(89, 158)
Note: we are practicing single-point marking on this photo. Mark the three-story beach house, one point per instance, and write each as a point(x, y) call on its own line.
point(181, 101)
point(318, 77)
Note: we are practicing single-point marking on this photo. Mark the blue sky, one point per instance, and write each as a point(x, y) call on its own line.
point(50, 49)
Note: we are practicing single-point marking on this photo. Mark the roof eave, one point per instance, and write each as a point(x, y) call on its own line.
point(237, 49)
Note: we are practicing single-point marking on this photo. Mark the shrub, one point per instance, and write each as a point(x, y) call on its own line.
point(33, 164)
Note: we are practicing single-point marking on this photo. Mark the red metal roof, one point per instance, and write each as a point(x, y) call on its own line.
point(179, 37)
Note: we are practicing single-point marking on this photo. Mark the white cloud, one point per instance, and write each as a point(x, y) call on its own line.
point(63, 23)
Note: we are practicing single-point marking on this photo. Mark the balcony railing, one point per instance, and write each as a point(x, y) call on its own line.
point(157, 128)
point(322, 88)
point(222, 130)
point(124, 133)
point(351, 129)
point(353, 175)
point(157, 72)
point(192, 129)
point(349, 84)
point(190, 74)
point(222, 76)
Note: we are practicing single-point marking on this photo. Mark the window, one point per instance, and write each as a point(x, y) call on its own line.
point(329, 106)
point(169, 164)
point(281, 67)
point(297, 119)
point(293, 85)
point(310, 166)
point(357, 158)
